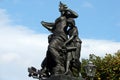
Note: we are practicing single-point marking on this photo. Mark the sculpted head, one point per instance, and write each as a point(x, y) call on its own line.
point(62, 7)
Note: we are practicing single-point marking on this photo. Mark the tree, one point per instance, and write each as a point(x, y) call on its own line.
point(108, 67)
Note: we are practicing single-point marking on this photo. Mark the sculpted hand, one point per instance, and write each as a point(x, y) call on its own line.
point(64, 45)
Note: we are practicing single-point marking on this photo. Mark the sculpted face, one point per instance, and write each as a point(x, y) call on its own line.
point(61, 8)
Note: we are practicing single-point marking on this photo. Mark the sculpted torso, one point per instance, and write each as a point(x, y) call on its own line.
point(60, 25)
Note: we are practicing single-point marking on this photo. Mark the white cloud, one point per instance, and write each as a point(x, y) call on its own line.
point(4, 17)
point(21, 47)
point(99, 47)
point(9, 57)
point(87, 5)
point(19, 39)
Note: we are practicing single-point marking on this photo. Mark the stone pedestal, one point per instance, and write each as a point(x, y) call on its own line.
point(63, 77)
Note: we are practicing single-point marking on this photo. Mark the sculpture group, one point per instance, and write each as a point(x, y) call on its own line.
point(62, 56)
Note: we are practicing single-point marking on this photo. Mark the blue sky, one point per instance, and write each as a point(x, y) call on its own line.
point(23, 41)
point(97, 19)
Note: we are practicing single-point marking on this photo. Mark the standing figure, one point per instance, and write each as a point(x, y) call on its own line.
point(74, 55)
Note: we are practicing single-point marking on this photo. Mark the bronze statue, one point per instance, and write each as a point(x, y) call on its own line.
point(64, 46)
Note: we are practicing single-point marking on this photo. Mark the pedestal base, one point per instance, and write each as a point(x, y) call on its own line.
point(63, 77)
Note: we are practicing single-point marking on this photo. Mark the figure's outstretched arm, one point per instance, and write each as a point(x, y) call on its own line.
point(48, 25)
point(73, 34)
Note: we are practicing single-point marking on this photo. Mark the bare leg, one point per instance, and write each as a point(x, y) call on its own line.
point(67, 67)
point(69, 58)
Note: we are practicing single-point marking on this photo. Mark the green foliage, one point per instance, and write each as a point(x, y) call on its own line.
point(108, 67)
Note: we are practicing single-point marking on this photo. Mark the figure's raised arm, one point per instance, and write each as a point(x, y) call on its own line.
point(72, 13)
point(48, 25)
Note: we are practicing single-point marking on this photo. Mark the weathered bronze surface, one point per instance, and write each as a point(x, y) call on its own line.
point(62, 56)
